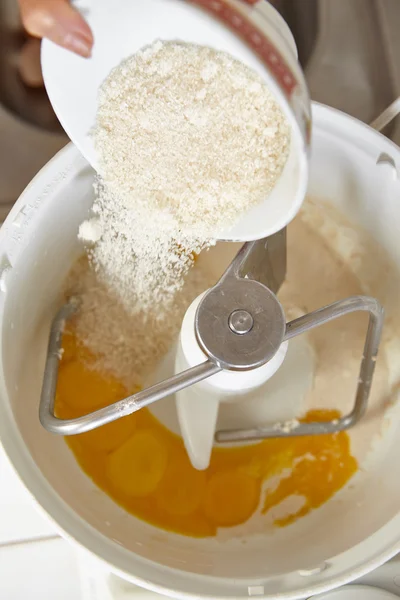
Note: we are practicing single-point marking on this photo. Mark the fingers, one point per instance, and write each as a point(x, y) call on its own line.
point(58, 21)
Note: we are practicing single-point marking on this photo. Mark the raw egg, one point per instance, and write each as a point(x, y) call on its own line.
point(143, 466)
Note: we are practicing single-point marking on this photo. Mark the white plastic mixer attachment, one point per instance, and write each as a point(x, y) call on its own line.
point(239, 331)
point(198, 406)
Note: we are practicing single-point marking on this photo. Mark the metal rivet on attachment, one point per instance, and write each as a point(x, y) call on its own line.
point(240, 322)
point(239, 340)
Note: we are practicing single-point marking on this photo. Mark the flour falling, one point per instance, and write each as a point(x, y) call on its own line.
point(188, 140)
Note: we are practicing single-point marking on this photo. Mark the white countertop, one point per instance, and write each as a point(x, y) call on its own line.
point(35, 563)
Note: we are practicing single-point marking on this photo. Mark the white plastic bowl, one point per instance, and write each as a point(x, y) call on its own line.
point(334, 544)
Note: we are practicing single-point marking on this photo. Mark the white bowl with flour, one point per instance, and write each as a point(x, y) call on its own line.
point(123, 28)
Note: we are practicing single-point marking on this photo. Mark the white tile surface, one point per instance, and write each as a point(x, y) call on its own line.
point(43, 570)
point(19, 519)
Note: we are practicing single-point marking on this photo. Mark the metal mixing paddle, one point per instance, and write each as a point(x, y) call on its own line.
point(239, 325)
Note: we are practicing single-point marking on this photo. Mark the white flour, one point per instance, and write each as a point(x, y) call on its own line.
point(191, 131)
point(188, 139)
point(127, 343)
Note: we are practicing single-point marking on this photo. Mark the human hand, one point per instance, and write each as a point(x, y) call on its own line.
point(58, 21)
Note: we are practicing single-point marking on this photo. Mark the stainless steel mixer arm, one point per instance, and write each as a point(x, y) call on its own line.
point(263, 261)
point(240, 325)
point(306, 323)
point(114, 411)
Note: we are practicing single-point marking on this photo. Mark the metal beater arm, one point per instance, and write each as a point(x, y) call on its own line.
point(265, 259)
point(115, 411)
point(240, 325)
point(371, 346)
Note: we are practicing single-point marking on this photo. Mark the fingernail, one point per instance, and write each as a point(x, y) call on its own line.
point(79, 44)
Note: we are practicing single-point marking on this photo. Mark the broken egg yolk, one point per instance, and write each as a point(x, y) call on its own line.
point(144, 467)
point(137, 467)
point(182, 488)
point(81, 386)
point(231, 497)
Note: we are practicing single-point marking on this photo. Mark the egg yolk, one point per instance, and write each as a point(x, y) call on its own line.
point(85, 389)
point(231, 498)
point(110, 436)
point(137, 467)
point(182, 488)
point(144, 467)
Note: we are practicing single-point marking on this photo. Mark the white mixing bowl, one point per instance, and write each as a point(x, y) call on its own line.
point(352, 166)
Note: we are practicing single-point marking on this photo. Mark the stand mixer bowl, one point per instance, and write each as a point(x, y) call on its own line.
point(354, 168)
